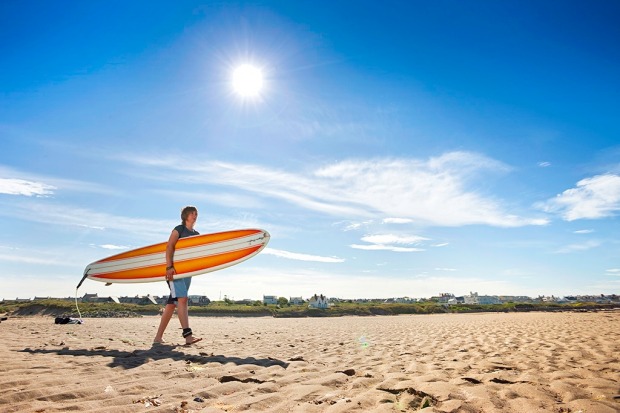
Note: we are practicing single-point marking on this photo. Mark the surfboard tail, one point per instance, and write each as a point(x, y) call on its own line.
point(83, 278)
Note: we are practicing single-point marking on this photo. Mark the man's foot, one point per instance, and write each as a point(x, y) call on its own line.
point(191, 340)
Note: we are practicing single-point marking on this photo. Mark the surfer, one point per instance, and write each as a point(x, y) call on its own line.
point(178, 288)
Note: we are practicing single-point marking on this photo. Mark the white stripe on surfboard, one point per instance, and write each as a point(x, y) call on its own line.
point(129, 266)
point(177, 276)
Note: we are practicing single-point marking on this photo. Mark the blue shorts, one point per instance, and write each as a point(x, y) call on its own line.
point(178, 289)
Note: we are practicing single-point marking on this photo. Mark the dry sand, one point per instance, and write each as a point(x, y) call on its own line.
point(532, 362)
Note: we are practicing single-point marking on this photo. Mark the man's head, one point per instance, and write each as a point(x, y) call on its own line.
point(187, 211)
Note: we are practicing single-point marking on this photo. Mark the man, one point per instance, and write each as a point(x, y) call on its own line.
point(178, 288)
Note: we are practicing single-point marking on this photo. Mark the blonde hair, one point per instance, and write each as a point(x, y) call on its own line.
point(186, 211)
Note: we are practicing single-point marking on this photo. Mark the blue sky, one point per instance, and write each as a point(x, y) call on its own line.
point(396, 149)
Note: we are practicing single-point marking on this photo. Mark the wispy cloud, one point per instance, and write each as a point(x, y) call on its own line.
point(592, 198)
point(397, 220)
point(391, 242)
point(352, 226)
point(17, 182)
point(544, 164)
point(68, 215)
point(30, 259)
point(436, 191)
point(380, 247)
point(23, 187)
point(300, 257)
point(113, 247)
point(52, 213)
point(583, 231)
point(393, 239)
point(578, 247)
point(613, 271)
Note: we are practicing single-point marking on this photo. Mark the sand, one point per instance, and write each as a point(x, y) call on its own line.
point(525, 362)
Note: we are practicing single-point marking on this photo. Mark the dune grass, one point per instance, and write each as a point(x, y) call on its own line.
point(220, 308)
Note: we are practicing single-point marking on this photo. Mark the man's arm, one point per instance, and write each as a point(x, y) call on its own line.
point(172, 242)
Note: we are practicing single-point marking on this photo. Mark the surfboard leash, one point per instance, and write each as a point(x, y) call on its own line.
point(76, 305)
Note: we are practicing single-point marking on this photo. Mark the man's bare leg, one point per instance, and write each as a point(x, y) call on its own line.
point(183, 313)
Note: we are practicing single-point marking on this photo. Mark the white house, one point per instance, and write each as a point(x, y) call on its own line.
point(318, 301)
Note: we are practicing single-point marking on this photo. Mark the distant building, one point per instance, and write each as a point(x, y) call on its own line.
point(474, 298)
point(140, 300)
point(443, 298)
point(94, 298)
point(198, 300)
point(514, 299)
point(488, 299)
point(399, 300)
point(270, 299)
point(296, 301)
point(90, 298)
point(318, 301)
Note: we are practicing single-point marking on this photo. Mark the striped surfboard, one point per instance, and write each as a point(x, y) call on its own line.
point(194, 255)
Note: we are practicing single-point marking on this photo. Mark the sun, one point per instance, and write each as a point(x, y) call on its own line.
point(247, 81)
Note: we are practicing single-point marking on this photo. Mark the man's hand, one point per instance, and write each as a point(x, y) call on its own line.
point(170, 274)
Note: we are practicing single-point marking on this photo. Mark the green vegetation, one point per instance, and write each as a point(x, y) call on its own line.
point(67, 308)
point(54, 307)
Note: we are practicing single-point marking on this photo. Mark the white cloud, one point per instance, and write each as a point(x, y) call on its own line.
point(583, 231)
point(384, 242)
point(436, 191)
point(11, 186)
point(544, 164)
point(592, 198)
point(578, 247)
point(397, 221)
point(613, 271)
point(300, 257)
point(352, 226)
point(379, 247)
point(113, 247)
point(393, 239)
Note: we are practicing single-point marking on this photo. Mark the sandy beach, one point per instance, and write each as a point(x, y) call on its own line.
point(515, 362)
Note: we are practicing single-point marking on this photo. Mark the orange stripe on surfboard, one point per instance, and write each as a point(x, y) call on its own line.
point(182, 267)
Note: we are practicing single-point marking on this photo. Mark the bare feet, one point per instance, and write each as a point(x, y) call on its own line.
point(191, 340)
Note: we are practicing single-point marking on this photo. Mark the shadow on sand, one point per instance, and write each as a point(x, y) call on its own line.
point(136, 358)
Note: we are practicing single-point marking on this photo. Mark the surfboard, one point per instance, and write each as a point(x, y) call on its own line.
point(195, 255)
